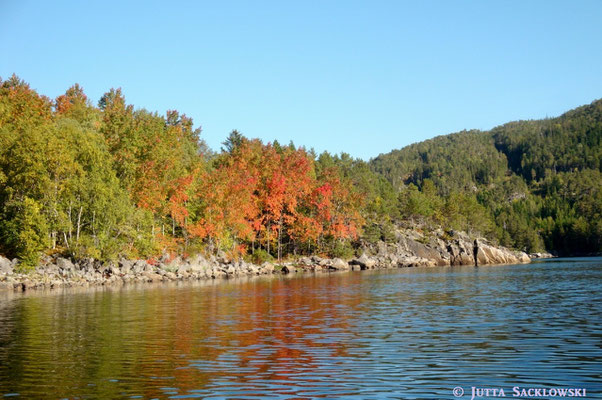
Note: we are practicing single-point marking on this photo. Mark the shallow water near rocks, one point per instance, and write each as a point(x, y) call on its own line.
point(413, 333)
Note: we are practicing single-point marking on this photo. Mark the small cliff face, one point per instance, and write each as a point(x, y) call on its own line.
point(413, 248)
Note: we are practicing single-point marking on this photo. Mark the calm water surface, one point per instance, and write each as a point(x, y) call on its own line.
point(411, 334)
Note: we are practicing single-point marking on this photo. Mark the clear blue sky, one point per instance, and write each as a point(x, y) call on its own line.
point(360, 77)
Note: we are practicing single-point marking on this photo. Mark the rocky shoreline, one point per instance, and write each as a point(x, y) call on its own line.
point(410, 249)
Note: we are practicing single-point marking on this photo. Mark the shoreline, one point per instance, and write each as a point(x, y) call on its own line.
point(210, 283)
point(31, 282)
point(410, 250)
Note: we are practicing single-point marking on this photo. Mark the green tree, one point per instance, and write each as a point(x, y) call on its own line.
point(233, 141)
point(24, 232)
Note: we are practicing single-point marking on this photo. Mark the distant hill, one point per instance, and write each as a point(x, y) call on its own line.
point(540, 180)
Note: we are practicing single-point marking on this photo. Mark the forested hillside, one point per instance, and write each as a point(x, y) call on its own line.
point(108, 181)
point(536, 184)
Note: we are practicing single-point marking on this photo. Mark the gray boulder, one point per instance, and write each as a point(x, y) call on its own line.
point(138, 267)
point(364, 262)
point(126, 265)
point(217, 273)
point(316, 259)
point(49, 269)
point(367, 261)
point(252, 269)
point(114, 270)
point(6, 266)
point(306, 261)
point(65, 264)
point(267, 267)
point(339, 265)
point(86, 264)
point(152, 276)
point(183, 271)
point(325, 262)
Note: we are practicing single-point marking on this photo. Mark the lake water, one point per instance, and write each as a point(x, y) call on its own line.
point(408, 334)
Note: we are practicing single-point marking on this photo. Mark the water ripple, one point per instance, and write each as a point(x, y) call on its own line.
point(412, 334)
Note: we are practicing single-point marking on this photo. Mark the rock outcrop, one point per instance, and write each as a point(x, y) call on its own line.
point(339, 265)
point(413, 248)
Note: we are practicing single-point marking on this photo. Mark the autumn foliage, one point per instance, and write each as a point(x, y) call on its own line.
point(269, 197)
point(113, 181)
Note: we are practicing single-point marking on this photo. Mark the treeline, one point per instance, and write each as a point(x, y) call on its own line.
point(534, 185)
point(113, 181)
point(109, 181)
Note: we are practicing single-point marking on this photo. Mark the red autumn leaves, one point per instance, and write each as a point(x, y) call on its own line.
point(265, 195)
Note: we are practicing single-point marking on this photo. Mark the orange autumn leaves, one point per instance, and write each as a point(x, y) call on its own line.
point(264, 196)
point(251, 196)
